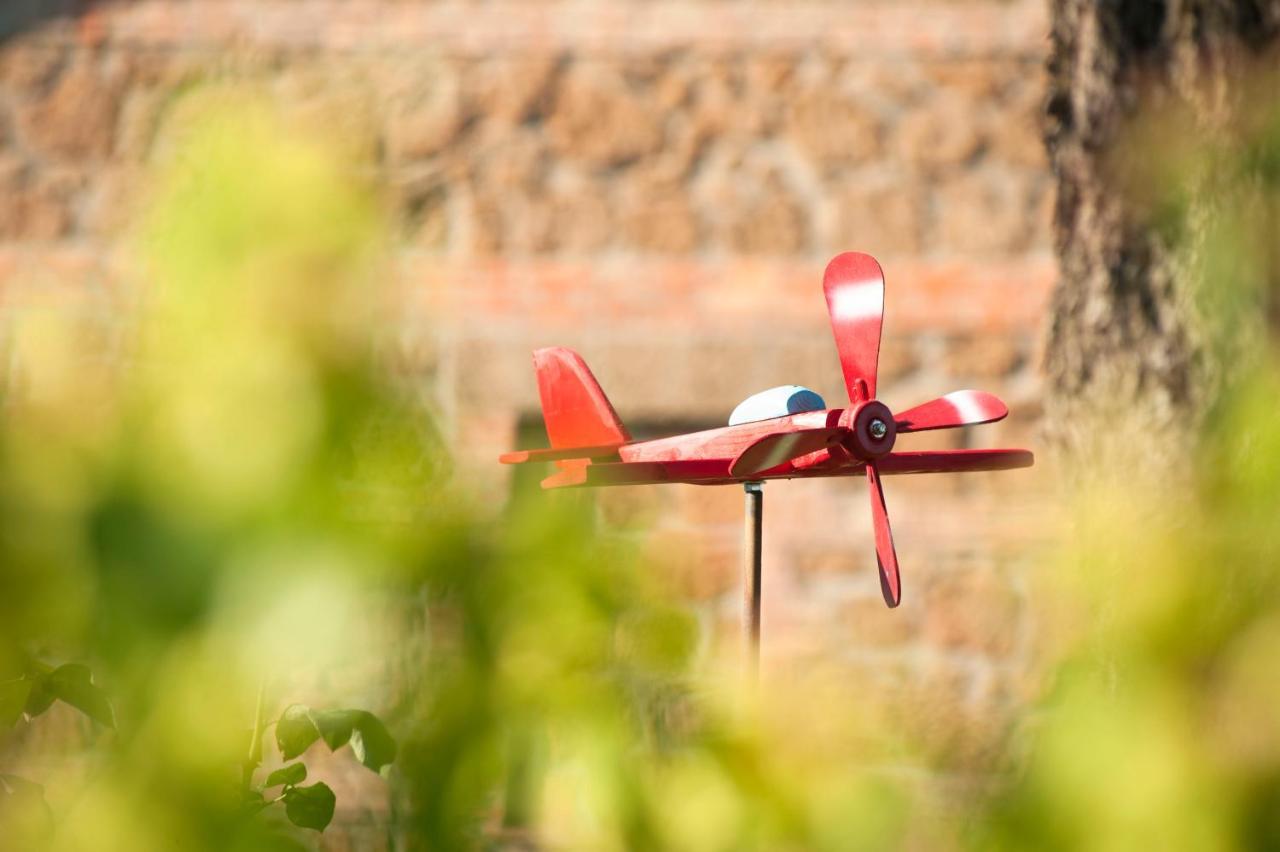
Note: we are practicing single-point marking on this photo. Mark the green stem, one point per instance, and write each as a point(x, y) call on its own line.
point(255, 741)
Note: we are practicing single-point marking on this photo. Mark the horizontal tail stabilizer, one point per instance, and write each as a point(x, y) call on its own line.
point(523, 456)
point(702, 471)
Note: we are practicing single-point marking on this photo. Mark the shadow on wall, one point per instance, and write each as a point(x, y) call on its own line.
point(17, 16)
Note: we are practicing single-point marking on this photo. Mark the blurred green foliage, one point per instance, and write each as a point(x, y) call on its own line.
point(221, 501)
point(181, 488)
point(218, 502)
point(1161, 727)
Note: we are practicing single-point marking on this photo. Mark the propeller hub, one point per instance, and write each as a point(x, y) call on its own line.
point(872, 430)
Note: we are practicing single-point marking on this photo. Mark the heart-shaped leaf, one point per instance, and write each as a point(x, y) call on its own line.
point(40, 697)
point(252, 802)
point(294, 773)
point(335, 726)
point(73, 683)
point(311, 806)
point(295, 732)
point(371, 742)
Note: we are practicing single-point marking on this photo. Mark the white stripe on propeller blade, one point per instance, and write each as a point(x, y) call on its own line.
point(858, 300)
point(968, 406)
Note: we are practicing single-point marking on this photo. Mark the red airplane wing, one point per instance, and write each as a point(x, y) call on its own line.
point(781, 447)
point(717, 471)
point(931, 461)
point(954, 461)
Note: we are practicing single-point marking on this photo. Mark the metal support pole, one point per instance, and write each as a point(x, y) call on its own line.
point(751, 577)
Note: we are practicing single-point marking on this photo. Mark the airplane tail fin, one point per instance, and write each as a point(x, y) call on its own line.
point(575, 409)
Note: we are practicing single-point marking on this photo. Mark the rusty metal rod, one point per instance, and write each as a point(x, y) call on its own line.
point(751, 577)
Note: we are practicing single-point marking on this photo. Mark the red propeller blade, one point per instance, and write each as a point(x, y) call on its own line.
point(886, 556)
point(781, 447)
point(958, 408)
point(854, 284)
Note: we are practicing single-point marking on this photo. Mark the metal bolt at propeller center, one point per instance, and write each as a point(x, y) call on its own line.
point(872, 430)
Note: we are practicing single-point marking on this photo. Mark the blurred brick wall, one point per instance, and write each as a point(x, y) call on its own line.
point(659, 185)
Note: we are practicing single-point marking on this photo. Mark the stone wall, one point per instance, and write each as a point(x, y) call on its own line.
point(659, 185)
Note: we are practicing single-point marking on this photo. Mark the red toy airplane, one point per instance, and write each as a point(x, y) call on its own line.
point(779, 434)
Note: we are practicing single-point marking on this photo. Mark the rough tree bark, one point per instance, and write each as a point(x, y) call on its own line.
point(18, 16)
point(1122, 336)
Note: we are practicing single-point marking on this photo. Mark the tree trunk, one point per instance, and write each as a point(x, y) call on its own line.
point(1123, 353)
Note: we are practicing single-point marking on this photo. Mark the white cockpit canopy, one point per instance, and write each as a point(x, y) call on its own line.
point(776, 402)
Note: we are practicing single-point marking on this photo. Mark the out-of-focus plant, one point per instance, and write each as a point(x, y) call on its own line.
point(184, 482)
point(556, 706)
point(29, 690)
point(1161, 728)
point(33, 689)
point(217, 494)
point(311, 805)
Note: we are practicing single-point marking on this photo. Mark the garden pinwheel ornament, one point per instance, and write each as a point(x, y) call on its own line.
point(782, 433)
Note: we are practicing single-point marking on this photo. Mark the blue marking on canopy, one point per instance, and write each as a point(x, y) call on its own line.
point(776, 402)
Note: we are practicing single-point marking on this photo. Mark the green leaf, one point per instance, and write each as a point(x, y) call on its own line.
point(13, 698)
point(73, 683)
point(371, 742)
point(335, 726)
point(310, 807)
point(295, 732)
point(41, 696)
point(294, 773)
point(252, 802)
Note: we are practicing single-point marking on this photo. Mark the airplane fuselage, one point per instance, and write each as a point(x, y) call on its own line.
point(725, 442)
